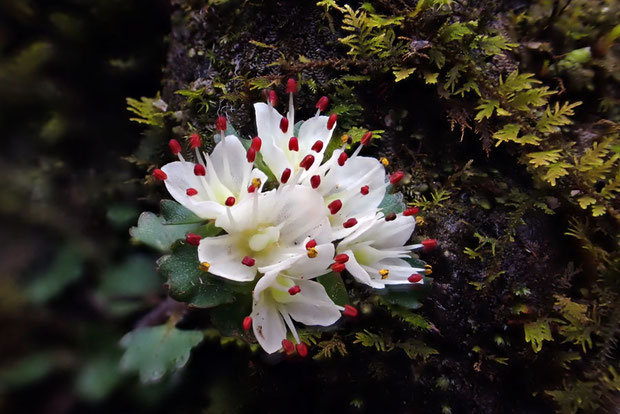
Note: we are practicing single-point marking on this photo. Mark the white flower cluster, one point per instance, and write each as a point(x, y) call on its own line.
point(320, 217)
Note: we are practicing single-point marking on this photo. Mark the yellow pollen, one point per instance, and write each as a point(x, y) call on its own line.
point(384, 161)
point(419, 220)
point(429, 269)
point(256, 182)
point(344, 138)
point(384, 273)
point(312, 252)
point(204, 266)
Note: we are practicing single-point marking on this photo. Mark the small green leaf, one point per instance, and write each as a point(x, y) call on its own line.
point(537, 332)
point(187, 283)
point(98, 377)
point(154, 351)
point(508, 133)
point(392, 203)
point(26, 371)
point(334, 286)
point(585, 201)
point(175, 213)
point(66, 268)
point(402, 73)
point(154, 232)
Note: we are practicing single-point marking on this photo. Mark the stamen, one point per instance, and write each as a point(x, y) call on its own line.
point(315, 181)
point(307, 162)
point(256, 182)
point(428, 269)
point(349, 223)
point(338, 267)
point(342, 158)
point(366, 138)
point(332, 121)
point(195, 141)
point(199, 170)
point(312, 252)
point(384, 273)
point(365, 190)
point(248, 261)
point(251, 154)
point(286, 174)
point(288, 346)
point(294, 290)
point(396, 177)
point(350, 311)
point(256, 143)
point(251, 189)
point(159, 174)
point(230, 201)
point(302, 350)
point(414, 278)
point(191, 192)
point(317, 146)
point(247, 323)
point(341, 258)
point(220, 124)
point(204, 266)
point(345, 139)
point(335, 206)
point(311, 244)
point(429, 244)
point(193, 239)
point(411, 211)
point(291, 86)
point(322, 103)
point(419, 220)
point(384, 161)
point(284, 124)
point(273, 98)
point(390, 217)
point(175, 147)
point(293, 144)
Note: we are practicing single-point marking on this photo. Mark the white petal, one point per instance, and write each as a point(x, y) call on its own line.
point(312, 305)
point(222, 254)
point(307, 268)
point(230, 163)
point(315, 129)
point(389, 234)
point(274, 141)
point(268, 326)
point(399, 270)
point(358, 272)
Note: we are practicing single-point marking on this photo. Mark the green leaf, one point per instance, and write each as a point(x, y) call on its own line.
point(541, 158)
point(228, 319)
point(154, 232)
point(508, 133)
point(402, 73)
point(98, 377)
point(154, 351)
point(537, 332)
point(334, 286)
point(556, 171)
point(392, 203)
point(175, 213)
point(66, 269)
point(187, 283)
point(585, 201)
point(26, 371)
point(486, 108)
point(417, 349)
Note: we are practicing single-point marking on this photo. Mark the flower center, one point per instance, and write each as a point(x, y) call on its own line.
point(264, 238)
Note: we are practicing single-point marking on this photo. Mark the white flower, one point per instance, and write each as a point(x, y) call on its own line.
point(206, 187)
point(269, 232)
point(376, 249)
point(279, 299)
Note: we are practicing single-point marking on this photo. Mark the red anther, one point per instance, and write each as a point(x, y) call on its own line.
point(390, 217)
point(411, 211)
point(302, 349)
point(364, 190)
point(315, 181)
point(341, 258)
point(286, 174)
point(350, 311)
point(366, 138)
point(414, 278)
point(199, 170)
point(311, 244)
point(273, 98)
point(175, 147)
point(293, 144)
point(248, 261)
point(251, 189)
point(251, 154)
point(220, 124)
point(332, 121)
point(247, 323)
point(317, 146)
point(193, 239)
point(284, 124)
point(194, 141)
point(429, 244)
point(338, 267)
point(349, 223)
point(307, 162)
point(159, 174)
point(191, 192)
point(322, 103)
point(342, 158)
point(230, 201)
point(294, 290)
point(396, 177)
point(291, 86)
point(288, 346)
point(256, 143)
point(334, 206)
